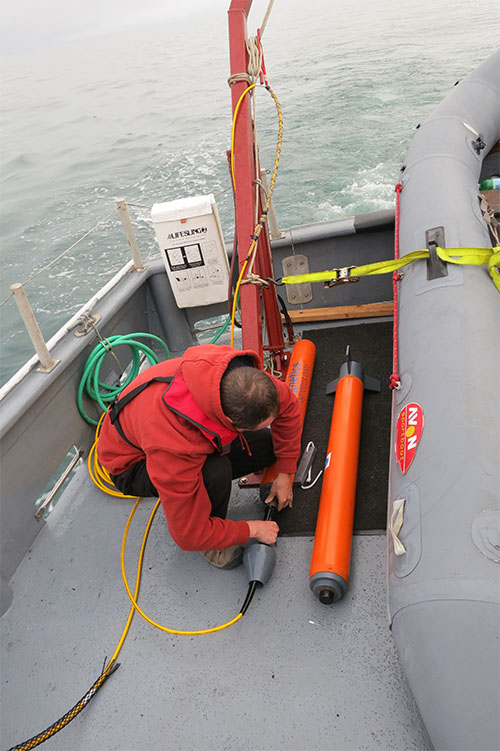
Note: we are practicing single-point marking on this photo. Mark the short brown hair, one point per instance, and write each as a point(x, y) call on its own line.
point(248, 397)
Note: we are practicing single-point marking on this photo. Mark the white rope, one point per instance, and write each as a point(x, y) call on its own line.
point(257, 164)
point(269, 365)
point(254, 51)
point(254, 67)
point(252, 278)
point(254, 58)
point(313, 483)
point(266, 18)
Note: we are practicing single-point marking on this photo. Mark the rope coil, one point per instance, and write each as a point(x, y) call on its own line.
point(104, 393)
point(238, 78)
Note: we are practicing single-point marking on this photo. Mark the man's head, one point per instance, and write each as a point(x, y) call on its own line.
point(248, 397)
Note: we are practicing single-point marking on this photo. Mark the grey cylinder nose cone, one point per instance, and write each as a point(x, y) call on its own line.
point(259, 560)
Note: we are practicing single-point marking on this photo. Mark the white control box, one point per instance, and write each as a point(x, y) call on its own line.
point(192, 246)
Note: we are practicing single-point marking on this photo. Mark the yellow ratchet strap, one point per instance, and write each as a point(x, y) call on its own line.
point(463, 256)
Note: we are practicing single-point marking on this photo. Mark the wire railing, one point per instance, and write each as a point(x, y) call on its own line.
point(17, 291)
point(51, 263)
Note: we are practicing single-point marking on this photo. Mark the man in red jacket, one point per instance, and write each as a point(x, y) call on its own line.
point(185, 428)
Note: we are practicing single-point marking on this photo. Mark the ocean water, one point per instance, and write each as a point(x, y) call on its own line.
point(136, 105)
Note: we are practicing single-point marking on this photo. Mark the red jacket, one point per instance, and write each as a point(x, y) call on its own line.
point(175, 449)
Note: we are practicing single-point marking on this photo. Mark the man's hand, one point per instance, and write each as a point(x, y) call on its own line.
point(266, 532)
point(281, 489)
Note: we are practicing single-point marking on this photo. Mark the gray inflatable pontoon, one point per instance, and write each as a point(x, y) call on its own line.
point(443, 562)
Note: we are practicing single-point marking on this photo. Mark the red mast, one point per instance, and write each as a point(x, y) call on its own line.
point(252, 297)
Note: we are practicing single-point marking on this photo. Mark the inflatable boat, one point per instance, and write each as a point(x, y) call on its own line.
point(443, 511)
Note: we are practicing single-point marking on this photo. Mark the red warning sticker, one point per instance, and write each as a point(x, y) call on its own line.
point(408, 433)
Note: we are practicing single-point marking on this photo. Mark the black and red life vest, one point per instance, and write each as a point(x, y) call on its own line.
point(179, 399)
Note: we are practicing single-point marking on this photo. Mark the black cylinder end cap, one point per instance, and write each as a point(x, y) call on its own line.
point(326, 596)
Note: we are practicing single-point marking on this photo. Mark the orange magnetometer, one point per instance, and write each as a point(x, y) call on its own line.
point(331, 555)
point(298, 378)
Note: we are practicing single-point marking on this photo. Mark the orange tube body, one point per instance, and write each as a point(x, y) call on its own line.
point(298, 378)
point(331, 555)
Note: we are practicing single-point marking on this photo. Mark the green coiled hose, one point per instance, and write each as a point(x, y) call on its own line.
point(105, 393)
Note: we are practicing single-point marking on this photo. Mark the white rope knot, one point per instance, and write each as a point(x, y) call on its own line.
point(238, 77)
point(252, 278)
point(254, 51)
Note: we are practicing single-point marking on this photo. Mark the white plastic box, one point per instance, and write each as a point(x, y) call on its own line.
point(192, 246)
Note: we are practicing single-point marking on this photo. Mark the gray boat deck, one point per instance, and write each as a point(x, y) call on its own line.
point(291, 674)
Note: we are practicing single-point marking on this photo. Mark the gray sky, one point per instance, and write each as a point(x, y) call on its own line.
point(31, 24)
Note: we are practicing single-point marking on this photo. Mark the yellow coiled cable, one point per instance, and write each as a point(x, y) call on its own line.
point(101, 478)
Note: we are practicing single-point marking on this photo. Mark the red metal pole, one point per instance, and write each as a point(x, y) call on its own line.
point(245, 172)
point(244, 168)
point(272, 314)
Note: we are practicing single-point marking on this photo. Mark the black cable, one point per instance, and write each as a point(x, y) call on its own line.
point(288, 320)
point(248, 599)
point(270, 512)
point(233, 278)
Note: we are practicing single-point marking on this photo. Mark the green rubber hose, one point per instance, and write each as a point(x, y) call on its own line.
point(104, 393)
